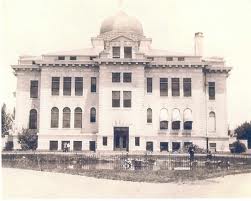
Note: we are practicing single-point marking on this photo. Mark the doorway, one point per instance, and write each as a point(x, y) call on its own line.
point(121, 138)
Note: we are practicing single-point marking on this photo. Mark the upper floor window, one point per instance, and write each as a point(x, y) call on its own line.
point(163, 119)
point(163, 86)
point(78, 118)
point(187, 87)
point(149, 85)
point(188, 119)
point(93, 84)
point(115, 77)
point(61, 57)
point(54, 117)
point(66, 117)
point(176, 119)
point(212, 122)
point(175, 87)
point(73, 58)
point(211, 90)
point(127, 77)
point(137, 141)
point(115, 98)
point(116, 52)
point(128, 52)
point(181, 58)
point(67, 86)
point(33, 119)
point(127, 98)
point(93, 115)
point(55, 83)
point(169, 58)
point(34, 89)
point(78, 86)
point(149, 115)
point(104, 141)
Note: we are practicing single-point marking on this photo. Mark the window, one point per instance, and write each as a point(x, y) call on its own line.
point(104, 141)
point(150, 58)
point(211, 90)
point(53, 145)
point(137, 141)
point(149, 85)
point(163, 86)
point(169, 58)
point(116, 52)
point(128, 52)
point(149, 146)
point(78, 118)
point(67, 86)
point(61, 58)
point(127, 77)
point(176, 125)
point(73, 58)
point(34, 89)
point(175, 87)
point(115, 77)
point(181, 59)
point(92, 145)
point(115, 98)
point(33, 119)
point(187, 144)
point(175, 146)
point(55, 83)
point(93, 84)
point(176, 119)
point(77, 145)
point(212, 147)
point(78, 86)
point(163, 119)
point(163, 146)
point(187, 87)
point(149, 115)
point(54, 117)
point(127, 98)
point(91, 58)
point(212, 122)
point(188, 120)
point(93, 115)
point(66, 117)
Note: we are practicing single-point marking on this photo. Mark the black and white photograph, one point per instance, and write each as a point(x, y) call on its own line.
point(125, 99)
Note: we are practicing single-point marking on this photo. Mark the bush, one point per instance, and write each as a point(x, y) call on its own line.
point(238, 147)
point(27, 138)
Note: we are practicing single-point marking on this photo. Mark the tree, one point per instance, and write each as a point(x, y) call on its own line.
point(244, 132)
point(238, 147)
point(27, 138)
point(7, 120)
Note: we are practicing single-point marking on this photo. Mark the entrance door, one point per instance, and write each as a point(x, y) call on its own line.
point(121, 138)
point(92, 146)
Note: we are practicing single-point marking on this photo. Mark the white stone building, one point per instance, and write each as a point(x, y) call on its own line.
point(123, 95)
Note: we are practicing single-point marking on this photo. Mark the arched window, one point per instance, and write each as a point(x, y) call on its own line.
point(212, 122)
point(54, 117)
point(176, 119)
point(33, 119)
point(188, 119)
point(149, 115)
point(66, 117)
point(78, 118)
point(93, 115)
point(163, 119)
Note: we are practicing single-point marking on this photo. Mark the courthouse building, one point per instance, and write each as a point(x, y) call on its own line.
point(123, 95)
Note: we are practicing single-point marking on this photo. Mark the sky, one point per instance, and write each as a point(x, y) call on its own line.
point(35, 27)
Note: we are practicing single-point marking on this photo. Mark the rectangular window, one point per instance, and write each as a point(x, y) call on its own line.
point(149, 85)
point(34, 88)
point(163, 125)
point(149, 146)
point(73, 58)
point(91, 58)
point(115, 77)
point(163, 86)
point(169, 58)
point(67, 86)
point(127, 77)
point(61, 58)
point(212, 147)
point(181, 59)
point(127, 98)
point(77, 145)
point(187, 87)
point(137, 141)
point(116, 52)
point(104, 141)
point(55, 83)
point(128, 52)
point(211, 90)
point(78, 86)
point(93, 84)
point(116, 99)
point(53, 145)
point(150, 58)
point(175, 87)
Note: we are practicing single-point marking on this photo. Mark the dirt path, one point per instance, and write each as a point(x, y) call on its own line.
point(19, 183)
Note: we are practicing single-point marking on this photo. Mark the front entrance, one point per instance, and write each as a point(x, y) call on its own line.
point(121, 139)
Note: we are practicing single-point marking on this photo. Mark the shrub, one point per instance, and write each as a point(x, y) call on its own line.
point(27, 138)
point(238, 147)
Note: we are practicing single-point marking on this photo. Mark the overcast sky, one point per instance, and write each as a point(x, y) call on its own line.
point(35, 27)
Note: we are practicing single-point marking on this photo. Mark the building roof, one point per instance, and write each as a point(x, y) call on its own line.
point(78, 52)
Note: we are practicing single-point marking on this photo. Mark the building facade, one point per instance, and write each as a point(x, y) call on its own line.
point(123, 95)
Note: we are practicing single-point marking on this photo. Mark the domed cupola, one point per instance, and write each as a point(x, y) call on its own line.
point(121, 22)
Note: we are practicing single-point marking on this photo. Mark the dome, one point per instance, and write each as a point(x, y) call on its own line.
point(121, 22)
